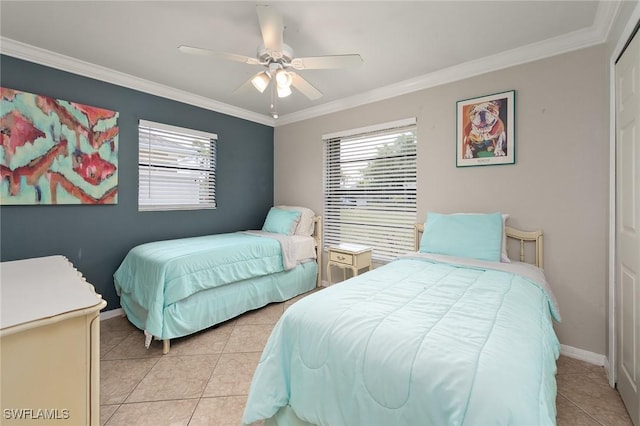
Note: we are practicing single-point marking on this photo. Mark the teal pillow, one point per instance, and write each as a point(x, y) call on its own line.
point(475, 236)
point(280, 221)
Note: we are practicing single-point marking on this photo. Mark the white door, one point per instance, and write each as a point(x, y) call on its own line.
point(628, 227)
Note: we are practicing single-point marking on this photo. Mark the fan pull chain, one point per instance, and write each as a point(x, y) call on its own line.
point(274, 112)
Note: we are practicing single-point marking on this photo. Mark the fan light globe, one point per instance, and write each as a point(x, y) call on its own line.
point(260, 81)
point(283, 82)
point(283, 91)
point(283, 78)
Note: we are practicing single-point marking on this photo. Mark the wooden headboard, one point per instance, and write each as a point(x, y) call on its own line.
point(527, 236)
point(534, 237)
point(317, 235)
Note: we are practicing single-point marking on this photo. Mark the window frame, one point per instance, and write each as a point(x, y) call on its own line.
point(154, 171)
point(400, 191)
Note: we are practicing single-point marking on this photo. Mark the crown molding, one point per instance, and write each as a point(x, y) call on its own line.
point(596, 34)
point(51, 59)
point(580, 39)
point(605, 17)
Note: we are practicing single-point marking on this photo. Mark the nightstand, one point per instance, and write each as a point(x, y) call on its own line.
point(353, 256)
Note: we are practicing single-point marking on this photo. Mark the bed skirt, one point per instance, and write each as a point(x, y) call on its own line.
point(285, 416)
point(213, 306)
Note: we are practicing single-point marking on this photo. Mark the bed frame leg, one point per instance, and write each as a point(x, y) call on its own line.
point(165, 346)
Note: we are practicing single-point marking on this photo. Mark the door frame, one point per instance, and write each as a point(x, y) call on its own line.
point(625, 37)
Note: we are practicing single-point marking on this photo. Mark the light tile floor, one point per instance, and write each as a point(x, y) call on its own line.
point(204, 379)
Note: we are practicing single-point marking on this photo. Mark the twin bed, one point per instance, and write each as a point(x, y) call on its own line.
point(448, 335)
point(452, 334)
point(174, 288)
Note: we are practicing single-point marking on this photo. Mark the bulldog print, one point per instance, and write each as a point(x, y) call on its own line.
point(484, 135)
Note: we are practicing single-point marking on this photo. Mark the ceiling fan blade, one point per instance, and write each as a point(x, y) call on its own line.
point(245, 88)
point(304, 87)
point(222, 55)
point(327, 62)
point(271, 27)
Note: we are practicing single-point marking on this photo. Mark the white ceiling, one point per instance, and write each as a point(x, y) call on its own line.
point(406, 46)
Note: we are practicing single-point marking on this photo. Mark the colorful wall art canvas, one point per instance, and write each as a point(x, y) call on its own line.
point(56, 152)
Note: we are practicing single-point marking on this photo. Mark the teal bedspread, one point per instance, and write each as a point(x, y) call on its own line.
point(415, 342)
point(158, 274)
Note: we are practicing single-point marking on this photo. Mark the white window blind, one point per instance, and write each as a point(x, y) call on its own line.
point(370, 188)
point(176, 168)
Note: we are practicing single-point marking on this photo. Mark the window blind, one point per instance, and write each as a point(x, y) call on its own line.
point(176, 168)
point(370, 189)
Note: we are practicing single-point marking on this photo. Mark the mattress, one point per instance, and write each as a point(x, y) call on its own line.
point(421, 340)
point(159, 274)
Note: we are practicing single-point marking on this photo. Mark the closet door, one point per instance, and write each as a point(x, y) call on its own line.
point(628, 226)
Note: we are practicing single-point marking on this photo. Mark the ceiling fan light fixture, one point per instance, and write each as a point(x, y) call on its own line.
point(279, 60)
point(283, 91)
point(261, 80)
point(283, 83)
point(283, 78)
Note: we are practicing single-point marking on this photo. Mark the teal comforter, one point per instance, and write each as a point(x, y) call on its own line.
point(415, 342)
point(161, 273)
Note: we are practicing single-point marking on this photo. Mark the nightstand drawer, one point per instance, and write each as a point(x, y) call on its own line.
point(339, 257)
point(349, 256)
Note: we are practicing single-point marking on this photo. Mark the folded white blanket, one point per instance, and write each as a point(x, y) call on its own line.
point(288, 250)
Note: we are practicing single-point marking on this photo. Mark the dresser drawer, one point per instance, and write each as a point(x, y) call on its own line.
point(339, 257)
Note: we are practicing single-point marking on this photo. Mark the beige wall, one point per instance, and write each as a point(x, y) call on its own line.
point(559, 182)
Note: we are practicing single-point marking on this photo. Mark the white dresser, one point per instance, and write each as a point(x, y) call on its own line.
point(49, 344)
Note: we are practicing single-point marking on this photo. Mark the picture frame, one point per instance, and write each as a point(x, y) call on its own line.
point(485, 130)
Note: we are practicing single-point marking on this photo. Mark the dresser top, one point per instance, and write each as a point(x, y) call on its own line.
point(40, 288)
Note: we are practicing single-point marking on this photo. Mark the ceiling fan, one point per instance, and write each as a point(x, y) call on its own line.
point(279, 60)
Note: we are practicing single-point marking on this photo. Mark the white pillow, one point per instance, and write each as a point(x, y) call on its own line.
point(305, 225)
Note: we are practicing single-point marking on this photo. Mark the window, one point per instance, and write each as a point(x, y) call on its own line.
point(176, 168)
point(370, 188)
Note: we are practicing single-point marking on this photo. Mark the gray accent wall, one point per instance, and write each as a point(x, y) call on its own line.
point(560, 182)
point(96, 238)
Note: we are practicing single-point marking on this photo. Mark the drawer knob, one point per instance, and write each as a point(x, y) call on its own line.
point(341, 258)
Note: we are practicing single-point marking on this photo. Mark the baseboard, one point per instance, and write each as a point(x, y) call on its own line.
point(607, 372)
point(582, 355)
point(111, 314)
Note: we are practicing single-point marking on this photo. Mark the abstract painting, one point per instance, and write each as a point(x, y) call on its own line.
point(56, 152)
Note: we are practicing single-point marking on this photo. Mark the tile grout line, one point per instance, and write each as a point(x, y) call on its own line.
point(129, 394)
point(156, 359)
point(116, 345)
point(143, 377)
point(235, 322)
point(151, 401)
point(114, 411)
point(579, 407)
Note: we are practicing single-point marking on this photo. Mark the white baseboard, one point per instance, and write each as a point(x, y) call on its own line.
point(111, 314)
point(582, 355)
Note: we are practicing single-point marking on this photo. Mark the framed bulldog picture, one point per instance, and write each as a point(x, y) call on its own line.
point(485, 130)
